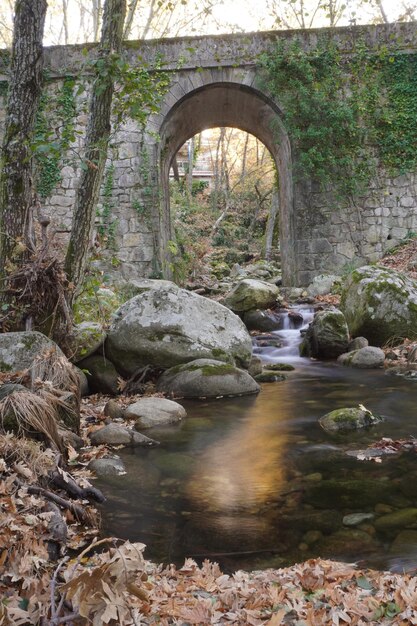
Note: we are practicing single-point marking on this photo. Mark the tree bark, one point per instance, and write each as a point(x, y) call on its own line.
point(97, 139)
point(25, 88)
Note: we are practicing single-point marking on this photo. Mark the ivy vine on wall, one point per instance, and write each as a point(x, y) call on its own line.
point(54, 133)
point(346, 113)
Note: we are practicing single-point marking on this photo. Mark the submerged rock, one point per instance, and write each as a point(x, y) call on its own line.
point(347, 541)
point(327, 336)
point(150, 412)
point(404, 518)
point(206, 378)
point(350, 494)
point(347, 419)
point(364, 358)
point(168, 326)
point(380, 303)
point(249, 294)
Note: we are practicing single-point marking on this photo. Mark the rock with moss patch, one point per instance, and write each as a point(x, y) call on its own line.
point(267, 376)
point(280, 367)
point(89, 336)
point(150, 412)
point(327, 336)
point(364, 358)
point(101, 375)
point(249, 294)
point(380, 304)
point(168, 326)
point(206, 378)
point(347, 419)
point(19, 350)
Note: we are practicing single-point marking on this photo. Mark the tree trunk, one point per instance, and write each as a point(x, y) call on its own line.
point(97, 139)
point(129, 18)
point(24, 92)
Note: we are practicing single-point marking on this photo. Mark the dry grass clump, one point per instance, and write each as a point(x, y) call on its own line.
point(25, 412)
point(27, 451)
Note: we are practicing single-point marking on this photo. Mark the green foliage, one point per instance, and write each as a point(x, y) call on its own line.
point(54, 133)
point(396, 126)
point(342, 113)
point(138, 90)
point(107, 225)
point(319, 113)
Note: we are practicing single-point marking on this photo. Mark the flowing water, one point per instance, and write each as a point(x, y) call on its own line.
point(254, 482)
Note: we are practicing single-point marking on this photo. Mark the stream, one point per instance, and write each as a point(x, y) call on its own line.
point(254, 482)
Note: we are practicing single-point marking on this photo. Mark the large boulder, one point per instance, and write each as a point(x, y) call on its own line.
point(168, 326)
point(380, 304)
point(327, 336)
point(19, 350)
point(249, 294)
point(206, 378)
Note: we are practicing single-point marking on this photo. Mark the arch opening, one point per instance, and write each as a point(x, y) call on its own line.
point(224, 204)
point(221, 105)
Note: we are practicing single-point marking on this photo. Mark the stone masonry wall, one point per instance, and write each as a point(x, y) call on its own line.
point(325, 237)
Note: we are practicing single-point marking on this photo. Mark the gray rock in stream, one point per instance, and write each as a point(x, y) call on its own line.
point(364, 358)
point(206, 378)
point(151, 412)
point(116, 434)
point(168, 326)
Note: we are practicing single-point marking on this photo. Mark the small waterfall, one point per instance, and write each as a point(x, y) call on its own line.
point(294, 321)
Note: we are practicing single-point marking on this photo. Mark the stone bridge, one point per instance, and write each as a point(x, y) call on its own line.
point(215, 82)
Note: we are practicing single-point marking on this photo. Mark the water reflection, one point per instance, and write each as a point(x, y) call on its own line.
point(257, 478)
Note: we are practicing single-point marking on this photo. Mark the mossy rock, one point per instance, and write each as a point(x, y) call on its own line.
point(279, 367)
point(269, 377)
point(348, 419)
point(206, 378)
point(101, 375)
point(380, 304)
point(327, 336)
point(19, 350)
point(404, 518)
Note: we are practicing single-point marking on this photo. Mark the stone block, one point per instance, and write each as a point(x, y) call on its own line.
point(408, 202)
point(321, 246)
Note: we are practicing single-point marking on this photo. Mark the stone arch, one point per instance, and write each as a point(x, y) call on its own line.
point(239, 106)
